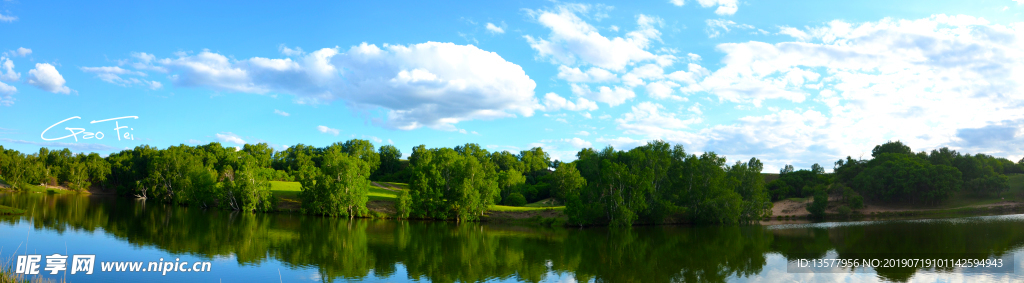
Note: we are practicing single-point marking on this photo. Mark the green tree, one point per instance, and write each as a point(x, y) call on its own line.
point(817, 208)
point(341, 186)
point(567, 182)
point(390, 161)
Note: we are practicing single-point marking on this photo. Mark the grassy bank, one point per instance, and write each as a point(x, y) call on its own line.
point(382, 196)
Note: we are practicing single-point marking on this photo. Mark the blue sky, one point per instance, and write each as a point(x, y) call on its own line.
point(789, 82)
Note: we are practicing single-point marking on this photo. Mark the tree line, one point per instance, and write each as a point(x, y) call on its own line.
point(650, 184)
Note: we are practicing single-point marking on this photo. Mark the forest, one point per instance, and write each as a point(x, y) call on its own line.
point(651, 184)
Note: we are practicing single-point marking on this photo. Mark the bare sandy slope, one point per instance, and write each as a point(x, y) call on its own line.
point(793, 208)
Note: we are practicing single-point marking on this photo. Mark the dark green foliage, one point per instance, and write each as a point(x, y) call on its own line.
point(817, 208)
point(390, 162)
point(794, 183)
point(515, 199)
point(906, 178)
point(656, 180)
point(894, 147)
point(844, 211)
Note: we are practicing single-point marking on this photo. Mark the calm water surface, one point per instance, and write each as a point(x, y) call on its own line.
point(294, 248)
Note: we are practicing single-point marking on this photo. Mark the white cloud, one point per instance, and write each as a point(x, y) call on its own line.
point(578, 143)
point(46, 77)
point(289, 51)
point(112, 74)
point(553, 102)
point(676, 2)
point(431, 84)
point(592, 75)
point(932, 75)
point(194, 141)
point(622, 143)
point(6, 94)
point(573, 41)
point(5, 18)
point(494, 29)
point(795, 33)
point(583, 133)
point(718, 27)
point(662, 90)
point(649, 119)
point(228, 137)
point(611, 96)
point(7, 72)
point(327, 130)
point(22, 51)
point(282, 113)
point(725, 7)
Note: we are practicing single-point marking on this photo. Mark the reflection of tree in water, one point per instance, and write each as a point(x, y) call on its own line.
point(473, 252)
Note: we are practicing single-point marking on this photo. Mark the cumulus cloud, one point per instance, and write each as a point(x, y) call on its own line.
point(431, 84)
point(919, 81)
point(611, 96)
point(22, 51)
point(573, 41)
point(622, 143)
point(676, 2)
point(46, 77)
point(327, 130)
point(7, 94)
point(7, 72)
point(494, 29)
point(650, 120)
point(289, 51)
point(228, 137)
point(553, 102)
point(717, 27)
point(725, 7)
point(662, 90)
point(282, 113)
point(112, 74)
point(592, 75)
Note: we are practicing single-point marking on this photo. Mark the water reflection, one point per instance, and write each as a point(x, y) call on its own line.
point(340, 249)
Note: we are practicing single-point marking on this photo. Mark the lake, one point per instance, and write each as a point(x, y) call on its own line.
point(292, 248)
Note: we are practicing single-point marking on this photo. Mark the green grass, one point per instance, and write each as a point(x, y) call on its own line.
point(285, 190)
point(7, 210)
point(40, 189)
point(403, 186)
point(377, 193)
point(523, 208)
point(290, 191)
point(548, 202)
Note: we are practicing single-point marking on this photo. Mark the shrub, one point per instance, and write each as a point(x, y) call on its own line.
point(515, 199)
point(817, 208)
point(845, 211)
point(404, 205)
